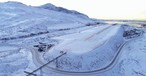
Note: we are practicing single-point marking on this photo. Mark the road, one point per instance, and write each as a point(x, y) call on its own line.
point(97, 33)
point(99, 70)
point(38, 60)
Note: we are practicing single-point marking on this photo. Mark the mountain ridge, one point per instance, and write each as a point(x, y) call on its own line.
point(61, 9)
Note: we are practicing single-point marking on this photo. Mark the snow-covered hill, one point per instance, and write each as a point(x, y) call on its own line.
point(18, 19)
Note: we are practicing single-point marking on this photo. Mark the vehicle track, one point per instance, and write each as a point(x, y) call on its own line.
point(100, 70)
point(84, 72)
point(98, 32)
point(97, 71)
point(37, 60)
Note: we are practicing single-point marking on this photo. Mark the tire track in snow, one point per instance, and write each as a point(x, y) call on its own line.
point(98, 32)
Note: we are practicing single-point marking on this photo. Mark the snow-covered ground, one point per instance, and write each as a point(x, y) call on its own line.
point(13, 60)
point(90, 46)
point(132, 59)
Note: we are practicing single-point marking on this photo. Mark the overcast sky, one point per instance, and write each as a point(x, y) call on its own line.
point(101, 9)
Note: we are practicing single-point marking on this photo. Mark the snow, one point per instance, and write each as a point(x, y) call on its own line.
point(24, 20)
point(50, 6)
point(133, 58)
point(5, 48)
point(17, 21)
point(12, 59)
point(87, 45)
point(88, 48)
point(82, 40)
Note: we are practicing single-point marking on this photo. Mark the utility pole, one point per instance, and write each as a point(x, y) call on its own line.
point(40, 68)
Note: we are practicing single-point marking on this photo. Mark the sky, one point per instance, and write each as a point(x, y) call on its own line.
point(99, 9)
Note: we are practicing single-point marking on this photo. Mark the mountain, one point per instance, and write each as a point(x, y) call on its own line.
point(20, 19)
